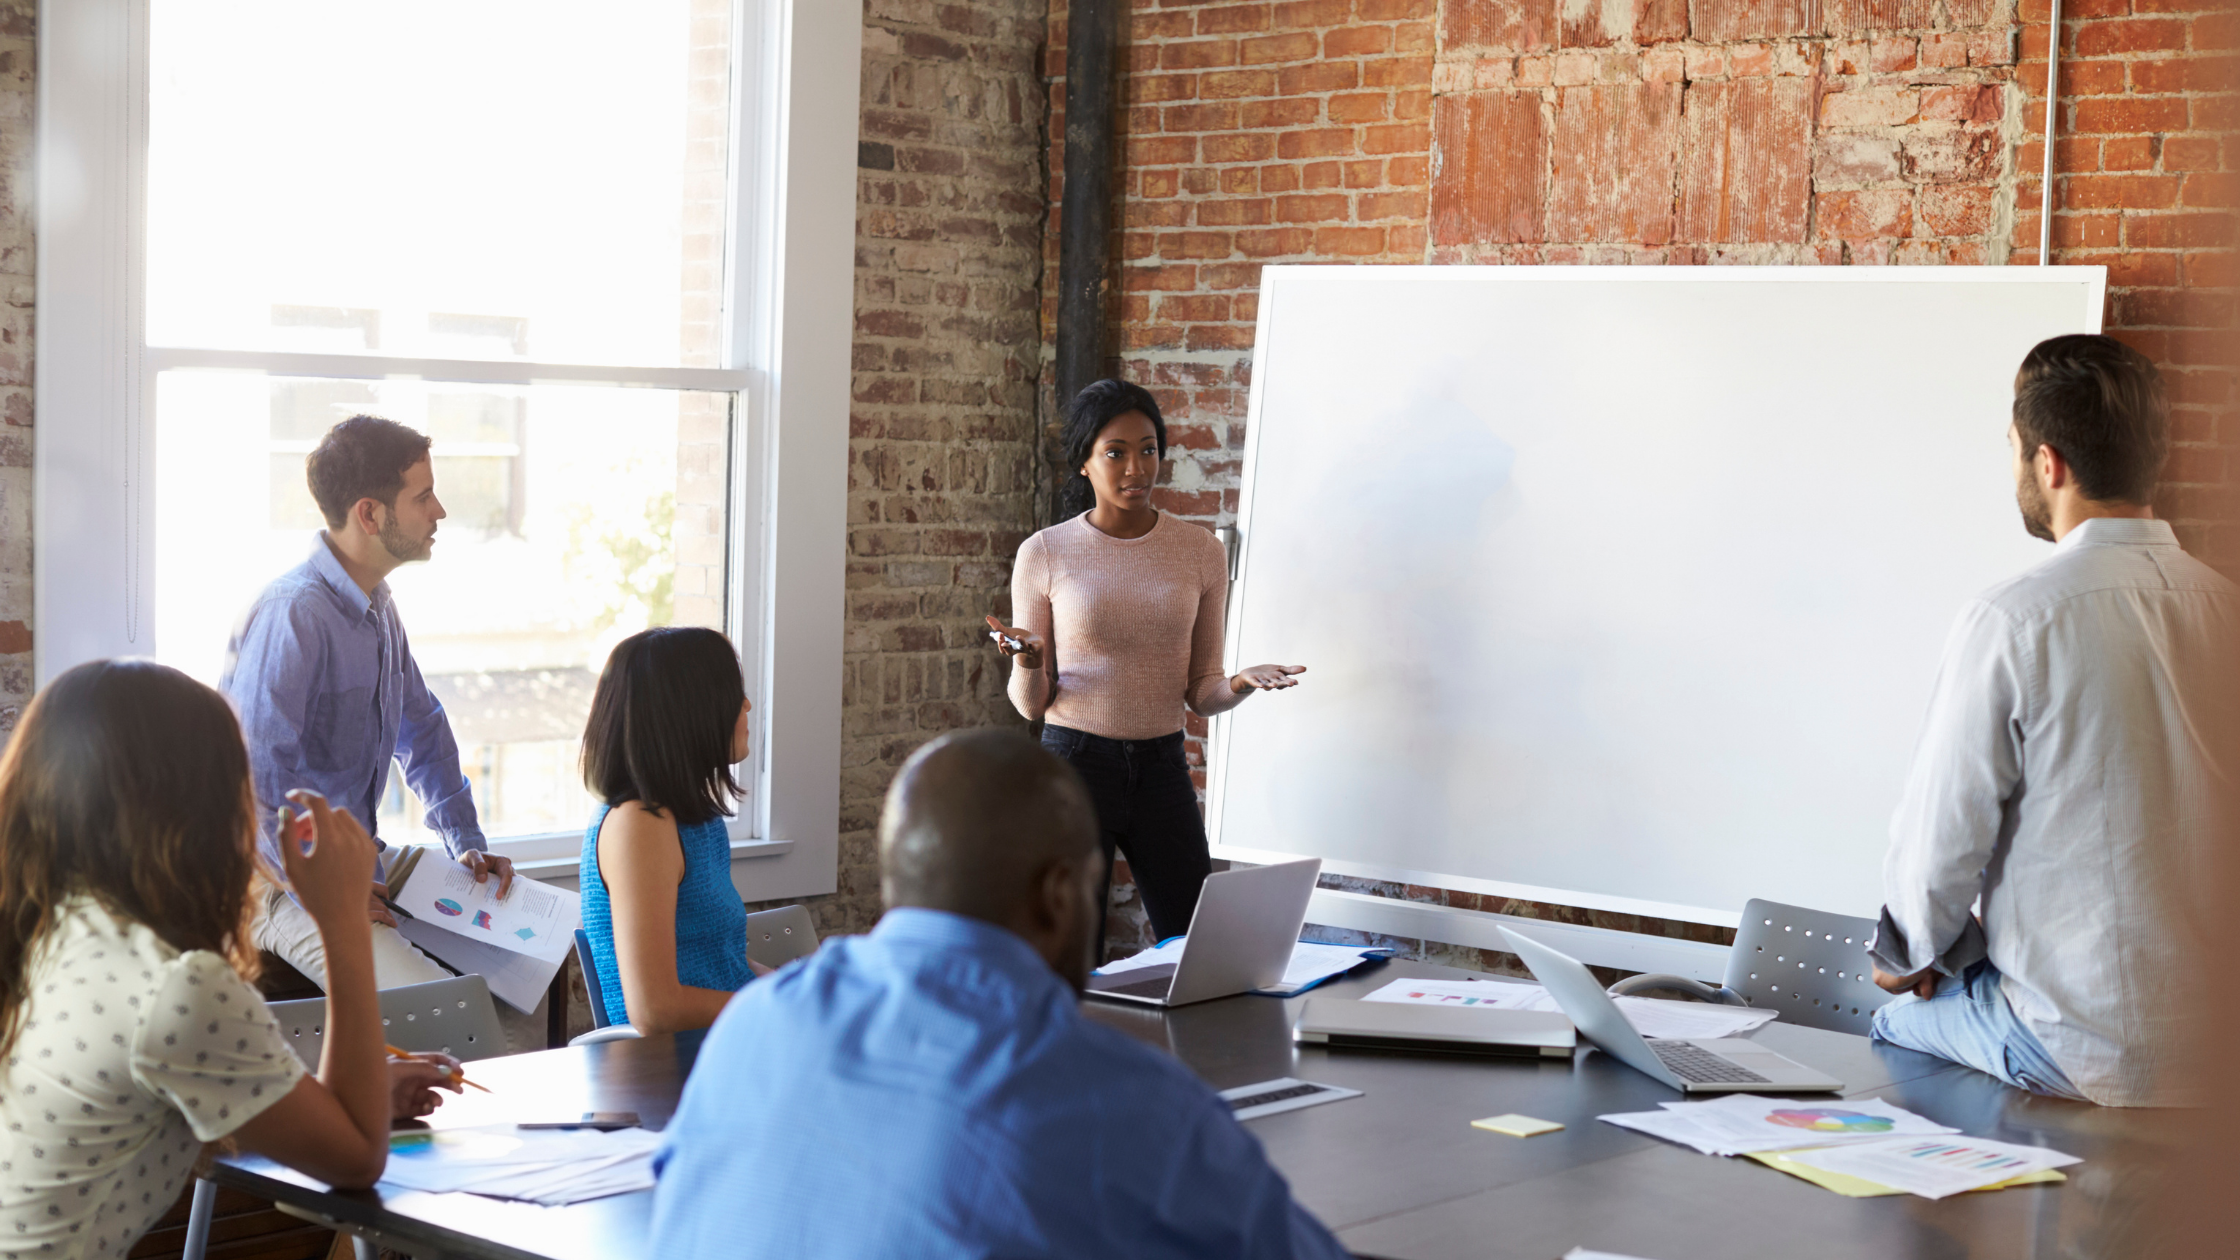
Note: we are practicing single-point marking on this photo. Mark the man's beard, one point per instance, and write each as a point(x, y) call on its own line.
point(402, 549)
point(2037, 513)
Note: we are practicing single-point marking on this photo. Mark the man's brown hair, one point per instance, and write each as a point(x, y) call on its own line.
point(2101, 404)
point(364, 457)
point(126, 781)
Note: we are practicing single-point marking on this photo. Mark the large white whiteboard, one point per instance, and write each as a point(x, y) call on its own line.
point(1619, 587)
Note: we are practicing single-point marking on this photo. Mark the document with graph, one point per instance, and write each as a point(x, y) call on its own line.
point(532, 918)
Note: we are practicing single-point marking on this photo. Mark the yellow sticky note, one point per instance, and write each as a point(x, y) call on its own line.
point(1515, 1125)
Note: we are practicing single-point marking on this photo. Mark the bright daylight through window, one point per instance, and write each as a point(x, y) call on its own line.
point(452, 182)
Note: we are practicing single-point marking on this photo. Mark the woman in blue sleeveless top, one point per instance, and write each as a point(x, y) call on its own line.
point(668, 931)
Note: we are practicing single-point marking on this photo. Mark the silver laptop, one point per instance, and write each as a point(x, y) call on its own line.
point(1240, 939)
point(1726, 1065)
point(1345, 1024)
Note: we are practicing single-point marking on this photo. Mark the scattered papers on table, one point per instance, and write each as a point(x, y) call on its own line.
point(1933, 1168)
point(1854, 1188)
point(1250, 1102)
point(1311, 963)
point(533, 918)
point(1515, 1125)
point(1740, 1124)
point(551, 1167)
point(1651, 1017)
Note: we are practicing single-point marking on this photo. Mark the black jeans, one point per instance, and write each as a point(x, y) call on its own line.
point(1147, 808)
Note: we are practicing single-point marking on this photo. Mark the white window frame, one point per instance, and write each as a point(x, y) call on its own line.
point(789, 278)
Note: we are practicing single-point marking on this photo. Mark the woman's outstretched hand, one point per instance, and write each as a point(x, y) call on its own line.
point(1029, 650)
point(1266, 678)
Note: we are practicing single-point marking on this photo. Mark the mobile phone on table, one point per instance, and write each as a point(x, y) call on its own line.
point(604, 1121)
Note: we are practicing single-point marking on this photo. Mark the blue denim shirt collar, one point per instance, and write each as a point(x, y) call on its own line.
point(329, 568)
point(916, 929)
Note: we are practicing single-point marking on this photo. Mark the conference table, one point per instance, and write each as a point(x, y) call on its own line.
point(1399, 1172)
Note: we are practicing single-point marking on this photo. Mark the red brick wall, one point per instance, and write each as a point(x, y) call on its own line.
point(2142, 187)
point(1647, 131)
point(941, 452)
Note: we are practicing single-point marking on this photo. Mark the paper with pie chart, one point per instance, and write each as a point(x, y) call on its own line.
point(1739, 1124)
point(533, 918)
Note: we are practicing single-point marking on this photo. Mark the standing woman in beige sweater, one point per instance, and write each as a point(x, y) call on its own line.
point(1119, 608)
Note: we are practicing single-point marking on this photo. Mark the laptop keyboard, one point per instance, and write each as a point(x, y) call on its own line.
point(1690, 1063)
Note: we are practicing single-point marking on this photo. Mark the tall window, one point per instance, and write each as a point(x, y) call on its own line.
point(601, 254)
point(504, 223)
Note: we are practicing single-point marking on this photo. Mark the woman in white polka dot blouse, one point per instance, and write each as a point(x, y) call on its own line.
point(129, 1033)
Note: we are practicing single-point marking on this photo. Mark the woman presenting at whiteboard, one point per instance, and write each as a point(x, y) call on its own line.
point(1120, 620)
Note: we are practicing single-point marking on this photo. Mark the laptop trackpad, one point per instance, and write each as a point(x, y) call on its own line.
point(1151, 981)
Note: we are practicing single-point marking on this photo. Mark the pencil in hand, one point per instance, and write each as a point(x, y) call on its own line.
point(458, 1075)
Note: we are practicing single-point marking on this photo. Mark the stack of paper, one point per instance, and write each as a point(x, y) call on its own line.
point(551, 1167)
point(1311, 963)
point(1739, 1124)
point(1934, 1167)
point(1857, 1147)
point(516, 943)
point(1651, 1017)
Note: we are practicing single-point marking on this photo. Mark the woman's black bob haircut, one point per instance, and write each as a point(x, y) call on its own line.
point(661, 723)
point(1093, 408)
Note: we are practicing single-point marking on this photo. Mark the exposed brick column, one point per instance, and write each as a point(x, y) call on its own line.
point(941, 457)
point(18, 100)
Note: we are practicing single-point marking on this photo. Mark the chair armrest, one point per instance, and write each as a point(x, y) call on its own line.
point(1634, 986)
point(612, 1032)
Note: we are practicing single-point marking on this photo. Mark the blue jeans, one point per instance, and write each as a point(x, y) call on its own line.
point(1969, 1022)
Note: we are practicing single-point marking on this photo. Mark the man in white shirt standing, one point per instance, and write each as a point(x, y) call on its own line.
point(2070, 771)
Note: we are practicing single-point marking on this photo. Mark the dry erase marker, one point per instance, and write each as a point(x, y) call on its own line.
point(302, 826)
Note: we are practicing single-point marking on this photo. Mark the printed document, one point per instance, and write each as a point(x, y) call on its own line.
point(1934, 1167)
point(533, 918)
point(1741, 1124)
point(1311, 963)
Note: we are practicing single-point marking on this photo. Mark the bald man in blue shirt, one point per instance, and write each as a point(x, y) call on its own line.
point(932, 1089)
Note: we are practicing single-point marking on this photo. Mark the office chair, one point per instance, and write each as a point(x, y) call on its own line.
point(774, 938)
point(777, 937)
point(603, 1027)
point(454, 1016)
point(1810, 965)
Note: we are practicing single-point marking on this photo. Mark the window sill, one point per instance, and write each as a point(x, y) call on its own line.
point(558, 855)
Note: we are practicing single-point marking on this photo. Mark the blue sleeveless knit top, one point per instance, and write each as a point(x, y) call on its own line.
point(711, 920)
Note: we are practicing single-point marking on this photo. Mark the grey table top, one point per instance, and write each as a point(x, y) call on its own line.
point(1399, 1172)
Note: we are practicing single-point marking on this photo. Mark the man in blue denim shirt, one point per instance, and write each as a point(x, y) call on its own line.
point(327, 689)
point(932, 1089)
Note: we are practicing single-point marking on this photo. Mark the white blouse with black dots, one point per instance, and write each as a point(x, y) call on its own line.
point(131, 1056)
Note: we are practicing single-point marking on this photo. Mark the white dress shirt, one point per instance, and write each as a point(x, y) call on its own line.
point(2070, 775)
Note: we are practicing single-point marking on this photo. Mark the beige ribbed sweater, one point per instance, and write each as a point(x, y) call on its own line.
point(1131, 627)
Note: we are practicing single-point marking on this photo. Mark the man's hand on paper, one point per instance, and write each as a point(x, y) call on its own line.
point(413, 1083)
point(484, 865)
point(375, 910)
point(1922, 982)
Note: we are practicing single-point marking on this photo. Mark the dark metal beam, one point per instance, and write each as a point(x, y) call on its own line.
point(1085, 206)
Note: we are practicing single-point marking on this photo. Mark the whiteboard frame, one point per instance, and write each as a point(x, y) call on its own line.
point(1277, 282)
